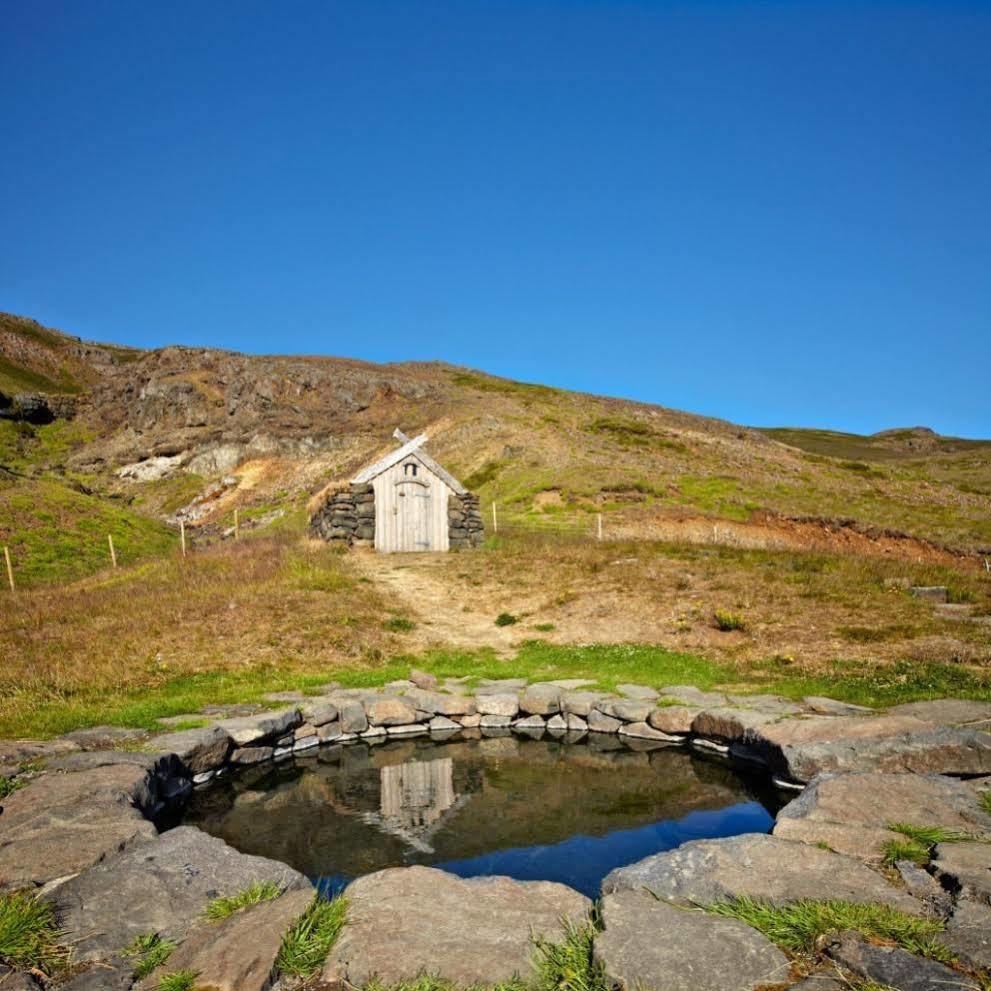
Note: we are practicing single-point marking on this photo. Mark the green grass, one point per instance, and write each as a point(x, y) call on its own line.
point(226, 905)
point(985, 801)
point(544, 627)
point(306, 945)
point(179, 980)
point(506, 619)
point(399, 624)
point(799, 925)
point(57, 533)
point(29, 934)
point(568, 965)
point(919, 842)
point(150, 951)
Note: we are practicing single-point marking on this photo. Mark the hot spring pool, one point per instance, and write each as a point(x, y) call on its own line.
point(531, 809)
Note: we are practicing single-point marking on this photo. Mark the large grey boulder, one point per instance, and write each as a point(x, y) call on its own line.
point(161, 886)
point(61, 824)
point(389, 710)
point(499, 704)
point(239, 953)
point(200, 750)
point(647, 943)
point(628, 710)
point(892, 967)
point(353, 718)
point(757, 866)
point(581, 703)
point(541, 700)
point(850, 813)
point(802, 748)
point(248, 730)
point(675, 719)
point(729, 723)
point(599, 722)
point(408, 921)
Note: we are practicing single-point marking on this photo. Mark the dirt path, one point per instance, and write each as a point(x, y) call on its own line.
point(446, 613)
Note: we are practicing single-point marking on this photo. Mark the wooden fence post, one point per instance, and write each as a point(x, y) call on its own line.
point(182, 536)
point(237, 528)
point(598, 520)
point(10, 568)
point(113, 553)
point(495, 519)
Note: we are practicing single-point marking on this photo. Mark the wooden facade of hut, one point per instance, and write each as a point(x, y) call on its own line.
point(404, 502)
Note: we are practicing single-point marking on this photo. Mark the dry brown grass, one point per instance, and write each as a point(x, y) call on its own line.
point(238, 609)
point(807, 609)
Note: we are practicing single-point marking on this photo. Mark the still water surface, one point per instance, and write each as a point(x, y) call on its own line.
point(532, 809)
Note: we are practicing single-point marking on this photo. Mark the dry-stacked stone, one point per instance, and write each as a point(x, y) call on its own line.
point(464, 521)
point(337, 519)
point(364, 506)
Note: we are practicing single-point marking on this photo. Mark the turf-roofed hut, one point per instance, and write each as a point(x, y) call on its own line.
point(404, 502)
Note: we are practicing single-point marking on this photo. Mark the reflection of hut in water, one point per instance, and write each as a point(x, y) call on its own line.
point(415, 799)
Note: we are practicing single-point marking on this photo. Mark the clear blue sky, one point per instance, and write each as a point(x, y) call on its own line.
point(779, 213)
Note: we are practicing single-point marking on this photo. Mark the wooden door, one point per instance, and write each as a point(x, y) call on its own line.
point(413, 500)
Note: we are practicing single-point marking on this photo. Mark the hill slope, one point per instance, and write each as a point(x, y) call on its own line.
point(156, 431)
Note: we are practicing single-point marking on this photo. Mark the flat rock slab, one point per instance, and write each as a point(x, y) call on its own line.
point(946, 712)
point(102, 737)
point(892, 967)
point(581, 703)
point(823, 706)
point(161, 886)
point(968, 934)
point(850, 812)
point(408, 921)
point(239, 953)
point(758, 866)
point(22, 751)
point(690, 695)
point(440, 704)
point(61, 824)
point(650, 944)
point(498, 704)
point(965, 868)
point(389, 710)
point(640, 692)
point(801, 748)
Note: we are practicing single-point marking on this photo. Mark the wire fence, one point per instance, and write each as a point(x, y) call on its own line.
point(574, 523)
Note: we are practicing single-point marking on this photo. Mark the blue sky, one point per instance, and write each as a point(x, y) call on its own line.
point(778, 213)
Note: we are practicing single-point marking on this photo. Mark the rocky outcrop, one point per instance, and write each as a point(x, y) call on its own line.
point(406, 922)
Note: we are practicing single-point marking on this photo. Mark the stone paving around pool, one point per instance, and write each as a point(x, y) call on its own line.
point(79, 832)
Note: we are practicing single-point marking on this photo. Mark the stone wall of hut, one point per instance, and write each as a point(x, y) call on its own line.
point(348, 518)
point(464, 518)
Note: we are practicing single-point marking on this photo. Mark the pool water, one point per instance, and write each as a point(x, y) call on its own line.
point(531, 809)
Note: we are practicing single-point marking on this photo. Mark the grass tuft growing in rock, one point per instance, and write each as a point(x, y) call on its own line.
point(150, 951)
point(799, 926)
point(28, 933)
point(918, 843)
point(568, 965)
point(9, 785)
point(985, 801)
point(178, 980)
point(564, 966)
point(226, 905)
point(306, 945)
